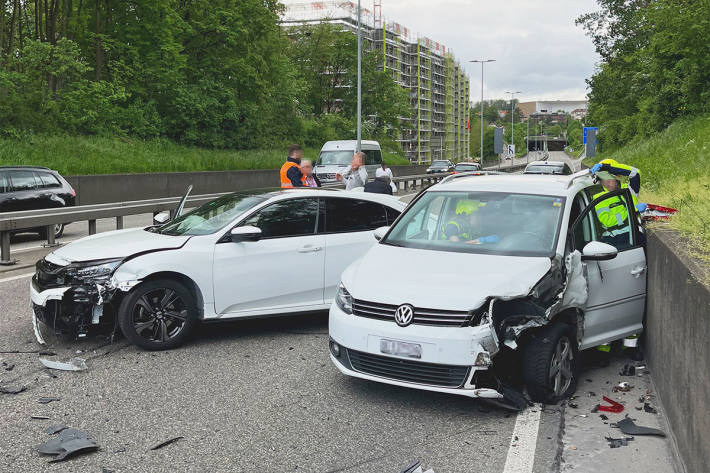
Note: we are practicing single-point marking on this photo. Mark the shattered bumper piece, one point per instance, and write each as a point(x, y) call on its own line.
point(70, 442)
point(75, 364)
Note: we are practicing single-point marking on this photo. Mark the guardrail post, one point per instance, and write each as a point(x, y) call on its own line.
point(119, 223)
point(92, 227)
point(5, 259)
point(51, 239)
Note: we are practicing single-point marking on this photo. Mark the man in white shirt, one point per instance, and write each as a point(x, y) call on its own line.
point(354, 175)
point(384, 171)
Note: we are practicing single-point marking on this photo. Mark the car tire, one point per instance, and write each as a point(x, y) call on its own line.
point(58, 231)
point(551, 363)
point(158, 315)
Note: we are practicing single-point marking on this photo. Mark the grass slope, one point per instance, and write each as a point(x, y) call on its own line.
point(72, 155)
point(675, 172)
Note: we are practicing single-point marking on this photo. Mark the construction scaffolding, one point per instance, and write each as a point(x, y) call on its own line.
point(437, 85)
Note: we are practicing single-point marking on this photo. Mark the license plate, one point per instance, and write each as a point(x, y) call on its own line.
point(393, 347)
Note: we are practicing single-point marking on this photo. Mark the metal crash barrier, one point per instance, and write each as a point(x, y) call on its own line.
point(13, 222)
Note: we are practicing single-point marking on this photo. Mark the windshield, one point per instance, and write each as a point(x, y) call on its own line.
point(480, 222)
point(439, 164)
point(212, 216)
point(544, 169)
point(466, 167)
point(335, 157)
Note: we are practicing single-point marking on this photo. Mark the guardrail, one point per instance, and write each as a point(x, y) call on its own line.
point(13, 222)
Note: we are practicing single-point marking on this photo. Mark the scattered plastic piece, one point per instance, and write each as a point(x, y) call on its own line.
point(39, 417)
point(615, 406)
point(657, 212)
point(12, 389)
point(55, 429)
point(167, 442)
point(47, 400)
point(8, 367)
point(628, 370)
point(623, 387)
point(415, 467)
point(75, 364)
point(70, 442)
point(603, 417)
point(592, 394)
point(573, 405)
point(649, 408)
point(628, 427)
point(620, 442)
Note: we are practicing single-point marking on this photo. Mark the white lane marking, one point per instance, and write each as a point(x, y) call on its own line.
point(523, 442)
point(20, 276)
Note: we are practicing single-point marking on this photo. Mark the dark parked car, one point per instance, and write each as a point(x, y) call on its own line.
point(440, 165)
point(33, 187)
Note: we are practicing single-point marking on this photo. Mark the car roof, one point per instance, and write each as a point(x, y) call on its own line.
point(385, 199)
point(42, 168)
point(543, 184)
point(348, 145)
point(547, 163)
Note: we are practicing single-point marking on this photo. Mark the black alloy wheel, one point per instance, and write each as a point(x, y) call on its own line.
point(158, 315)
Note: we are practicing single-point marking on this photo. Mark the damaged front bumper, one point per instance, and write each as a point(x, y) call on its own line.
point(70, 300)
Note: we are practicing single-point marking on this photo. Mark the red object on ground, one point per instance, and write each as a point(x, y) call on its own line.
point(658, 212)
point(615, 406)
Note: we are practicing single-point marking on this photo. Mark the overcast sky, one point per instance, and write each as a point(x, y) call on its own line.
point(538, 48)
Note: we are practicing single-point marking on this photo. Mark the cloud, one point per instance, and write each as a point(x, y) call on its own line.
point(538, 48)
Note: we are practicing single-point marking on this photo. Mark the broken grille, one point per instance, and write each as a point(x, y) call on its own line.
point(432, 374)
point(437, 317)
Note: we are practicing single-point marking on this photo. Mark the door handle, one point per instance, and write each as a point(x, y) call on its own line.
point(636, 272)
point(310, 249)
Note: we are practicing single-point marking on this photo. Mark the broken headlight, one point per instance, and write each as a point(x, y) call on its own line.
point(96, 270)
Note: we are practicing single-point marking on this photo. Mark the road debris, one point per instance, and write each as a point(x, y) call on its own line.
point(75, 364)
point(415, 467)
point(603, 417)
point(623, 387)
point(628, 370)
point(8, 367)
point(628, 427)
point(620, 442)
point(39, 417)
point(70, 442)
point(12, 389)
point(166, 443)
point(47, 400)
point(615, 407)
point(649, 408)
point(55, 429)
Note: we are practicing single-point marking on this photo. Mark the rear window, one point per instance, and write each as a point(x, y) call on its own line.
point(4, 183)
point(467, 167)
point(47, 180)
point(23, 180)
point(372, 156)
point(544, 169)
point(353, 215)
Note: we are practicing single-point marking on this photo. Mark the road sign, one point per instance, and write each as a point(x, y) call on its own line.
point(510, 150)
point(498, 140)
point(584, 133)
point(591, 144)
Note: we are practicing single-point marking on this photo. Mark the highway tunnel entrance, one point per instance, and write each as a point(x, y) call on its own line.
point(540, 143)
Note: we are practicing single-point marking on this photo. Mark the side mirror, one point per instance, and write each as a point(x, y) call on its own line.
point(598, 251)
point(161, 217)
point(245, 233)
point(380, 232)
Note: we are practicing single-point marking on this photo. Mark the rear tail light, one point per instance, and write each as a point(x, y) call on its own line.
point(73, 193)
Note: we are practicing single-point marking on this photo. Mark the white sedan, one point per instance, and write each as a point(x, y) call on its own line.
point(241, 255)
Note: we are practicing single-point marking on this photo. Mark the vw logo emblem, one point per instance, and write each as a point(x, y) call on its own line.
point(404, 315)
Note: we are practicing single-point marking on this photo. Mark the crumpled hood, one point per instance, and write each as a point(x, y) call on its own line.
point(115, 244)
point(439, 279)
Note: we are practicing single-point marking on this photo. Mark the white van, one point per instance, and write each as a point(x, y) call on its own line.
point(335, 156)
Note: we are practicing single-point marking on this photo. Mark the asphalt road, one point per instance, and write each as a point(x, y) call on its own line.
point(263, 396)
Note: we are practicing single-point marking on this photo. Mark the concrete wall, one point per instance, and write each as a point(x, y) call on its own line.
point(678, 344)
point(104, 188)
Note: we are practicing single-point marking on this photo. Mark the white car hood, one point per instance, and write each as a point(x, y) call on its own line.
point(115, 244)
point(440, 280)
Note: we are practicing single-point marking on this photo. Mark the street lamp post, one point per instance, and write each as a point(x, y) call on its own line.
point(482, 61)
point(359, 80)
point(512, 117)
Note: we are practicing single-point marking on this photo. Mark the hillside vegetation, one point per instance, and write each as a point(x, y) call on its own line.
point(96, 155)
point(675, 172)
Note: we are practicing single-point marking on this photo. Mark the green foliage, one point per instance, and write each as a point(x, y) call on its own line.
point(655, 68)
point(104, 155)
point(675, 172)
point(218, 74)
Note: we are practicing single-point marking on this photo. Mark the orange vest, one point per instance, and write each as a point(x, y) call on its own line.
point(285, 181)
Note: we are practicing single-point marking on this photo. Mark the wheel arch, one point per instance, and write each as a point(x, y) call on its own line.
point(186, 280)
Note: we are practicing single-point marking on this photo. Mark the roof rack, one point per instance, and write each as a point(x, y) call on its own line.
point(577, 175)
point(25, 167)
point(469, 173)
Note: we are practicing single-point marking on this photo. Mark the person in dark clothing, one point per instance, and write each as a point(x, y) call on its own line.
point(291, 175)
point(381, 185)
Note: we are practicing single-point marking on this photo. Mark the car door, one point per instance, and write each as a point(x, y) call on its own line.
point(6, 197)
point(49, 188)
point(25, 194)
point(617, 287)
point(349, 224)
point(281, 271)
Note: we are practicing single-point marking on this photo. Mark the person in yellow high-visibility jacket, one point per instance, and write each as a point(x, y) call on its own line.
point(612, 212)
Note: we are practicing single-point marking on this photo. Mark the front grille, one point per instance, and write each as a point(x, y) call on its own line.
point(448, 376)
point(326, 175)
point(437, 317)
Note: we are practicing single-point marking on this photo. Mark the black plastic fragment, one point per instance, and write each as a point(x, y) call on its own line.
point(70, 442)
point(55, 429)
point(649, 408)
point(603, 417)
point(620, 442)
point(47, 400)
point(39, 417)
point(167, 442)
point(628, 370)
point(628, 427)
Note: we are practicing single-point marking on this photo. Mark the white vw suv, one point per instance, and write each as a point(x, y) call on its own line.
point(489, 285)
point(246, 254)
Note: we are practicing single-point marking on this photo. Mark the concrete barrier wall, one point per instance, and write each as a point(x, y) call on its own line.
point(105, 188)
point(678, 344)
